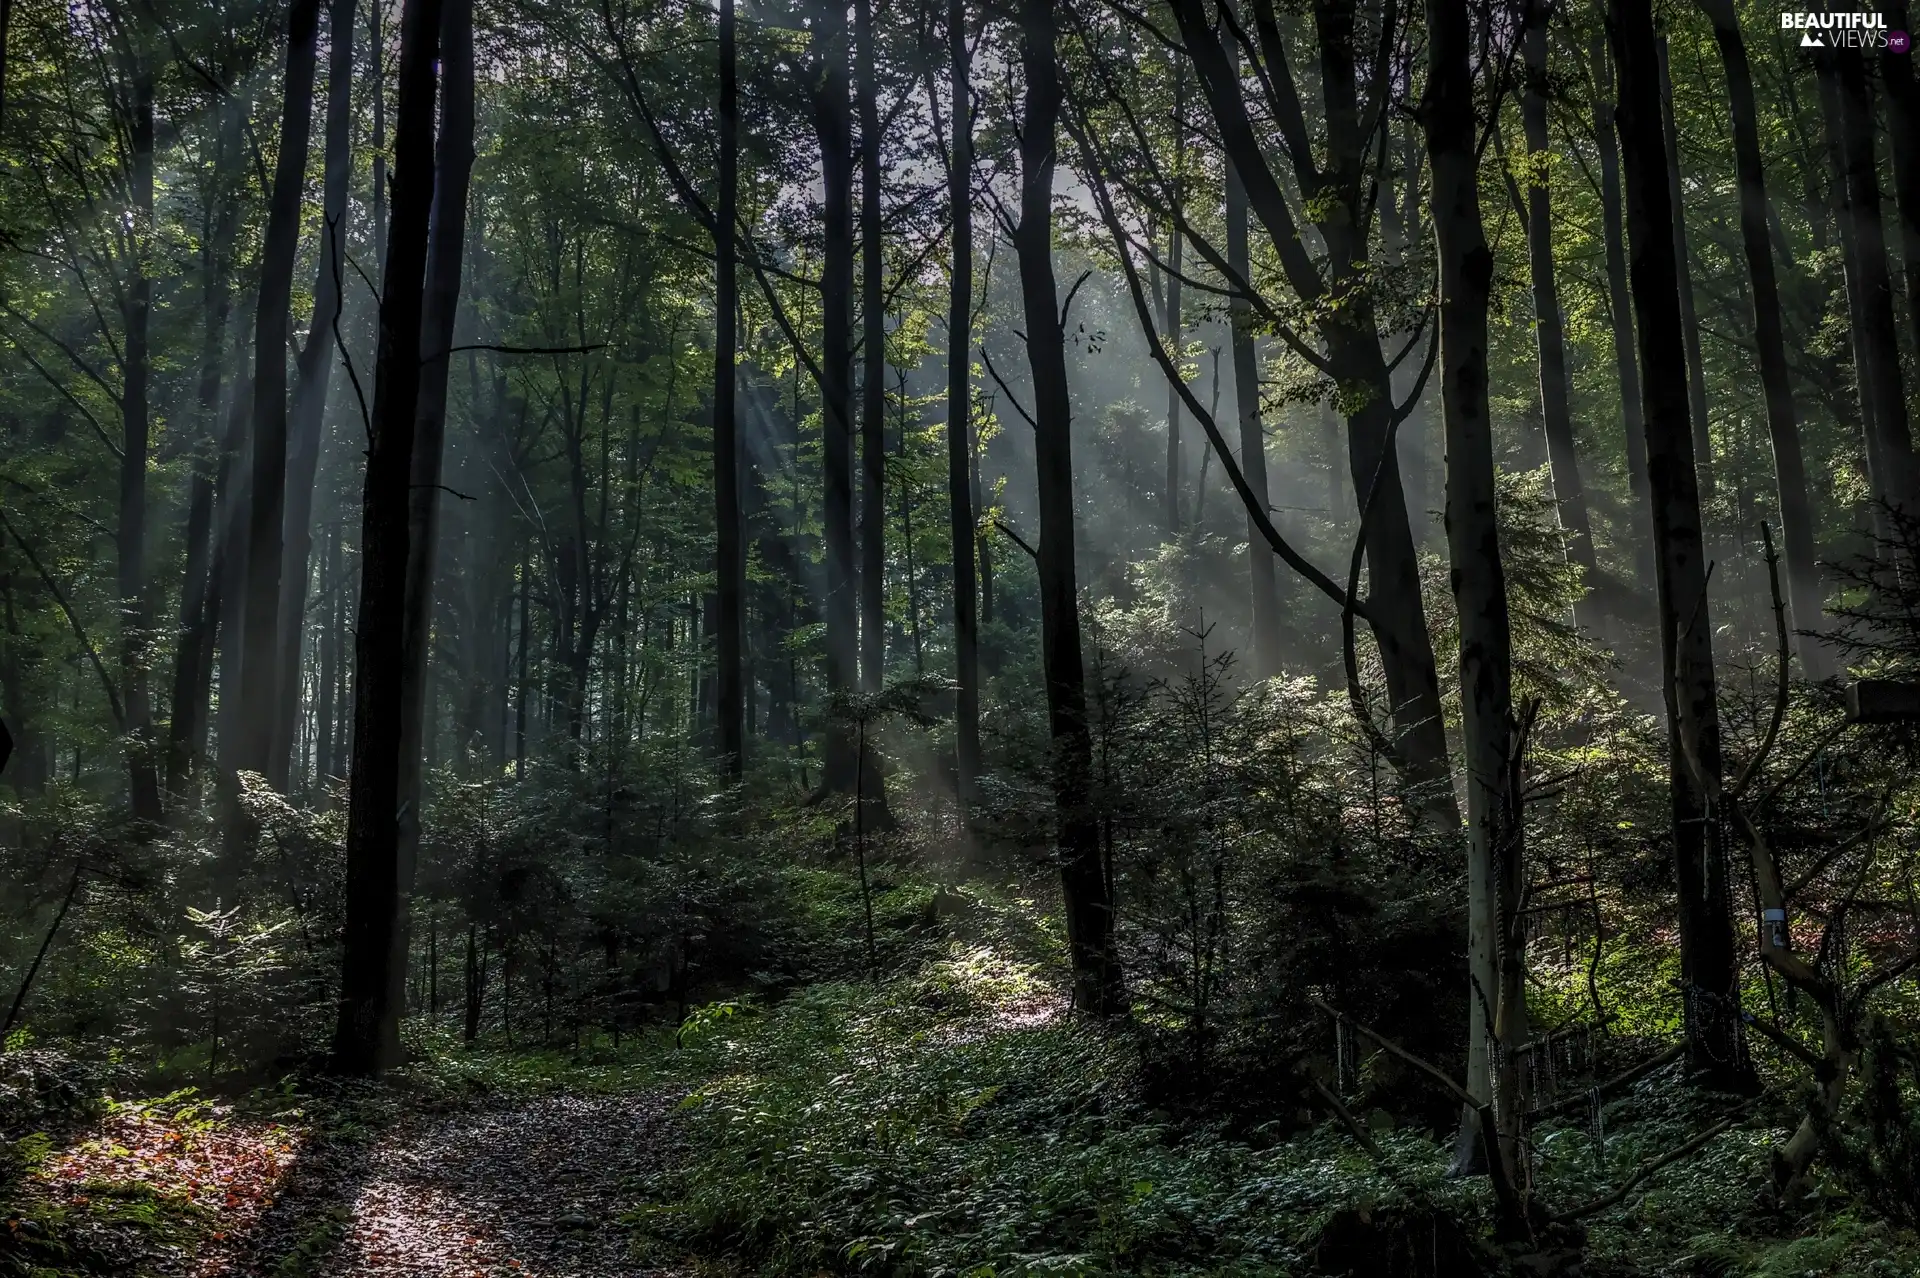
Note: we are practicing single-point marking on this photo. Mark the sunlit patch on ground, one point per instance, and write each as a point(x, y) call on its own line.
point(184, 1178)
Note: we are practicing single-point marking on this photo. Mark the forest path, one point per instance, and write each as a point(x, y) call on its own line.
point(531, 1189)
point(520, 1188)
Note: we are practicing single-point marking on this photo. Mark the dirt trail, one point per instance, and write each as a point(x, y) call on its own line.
point(532, 1190)
point(526, 1189)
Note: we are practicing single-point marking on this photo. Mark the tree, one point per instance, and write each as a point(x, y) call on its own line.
point(1549, 324)
point(873, 366)
point(1333, 193)
point(1097, 987)
point(314, 374)
point(446, 238)
point(367, 1036)
point(260, 653)
point(1846, 98)
point(1496, 870)
point(1708, 970)
point(1769, 335)
point(730, 561)
point(960, 446)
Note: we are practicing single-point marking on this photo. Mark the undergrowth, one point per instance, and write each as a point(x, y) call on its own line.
point(951, 1123)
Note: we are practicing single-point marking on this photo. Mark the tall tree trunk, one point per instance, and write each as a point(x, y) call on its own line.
point(833, 124)
point(1089, 912)
point(730, 559)
point(260, 648)
point(960, 495)
point(447, 236)
point(306, 422)
point(1495, 872)
point(377, 90)
point(1770, 347)
point(131, 537)
point(1903, 124)
point(367, 1037)
point(1175, 250)
point(873, 363)
point(1263, 577)
point(187, 717)
point(327, 708)
point(231, 520)
point(1549, 328)
point(29, 767)
point(1709, 972)
point(1620, 312)
point(1847, 103)
point(1683, 266)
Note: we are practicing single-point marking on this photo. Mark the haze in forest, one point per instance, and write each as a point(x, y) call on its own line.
point(1354, 546)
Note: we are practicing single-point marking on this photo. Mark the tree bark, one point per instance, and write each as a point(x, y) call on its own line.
point(1089, 914)
point(1708, 970)
point(1263, 579)
point(873, 365)
point(326, 708)
point(260, 652)
point(1175, 480)
point(367, 1036)
point(730, 561)
point(833, 126)
point(447, 235)
point(199, 595)
point(1770, 348)
point(130, 540)
point(314, 371)
point(960, 497)
point(1847, 103)
point(1903, 124)
point(1683, 267)
point(1495, 870)
point(1549, 325)
point(1620, 312)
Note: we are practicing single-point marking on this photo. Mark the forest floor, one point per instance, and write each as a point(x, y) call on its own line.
point(382, 1183)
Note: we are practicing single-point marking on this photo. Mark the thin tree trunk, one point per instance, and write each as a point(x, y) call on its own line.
point(834, 127)
point(1263, 577)
point(314, 373)
point(873, 362)
point(1175, 250)
point(327, 708)
point(1789, 465)
point(260, 650)
point(367, 1038)
point(1683, 267)
point(1709, 971)
point(187, 723)
point(40, 956)
point(447, 236)
point(730, 559)
point(1847, 101)
point(1096, 968)
point(1496, 998)
point(1903, 125)
point(131, 537)
point(1549, 327)
point(521, 681)
point(1620, 312)
point(961, 504)
point(377, 78)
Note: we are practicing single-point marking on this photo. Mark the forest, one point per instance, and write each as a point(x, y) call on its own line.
point(959, 638)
